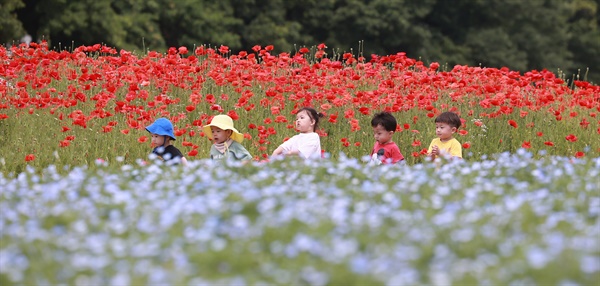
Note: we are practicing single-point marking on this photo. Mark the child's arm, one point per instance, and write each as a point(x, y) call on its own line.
point(184, 161)
point(278, 151)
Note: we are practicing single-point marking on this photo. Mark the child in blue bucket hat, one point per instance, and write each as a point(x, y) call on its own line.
point(162, 134)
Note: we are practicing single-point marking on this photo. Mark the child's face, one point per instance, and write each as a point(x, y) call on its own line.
point(444, 131)
point(157, 140)
point(220, 135)
point(381, 135)
point(304, 124)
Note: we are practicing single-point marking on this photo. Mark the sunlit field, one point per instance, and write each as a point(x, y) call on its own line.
point(71, 108)
point(82, 203)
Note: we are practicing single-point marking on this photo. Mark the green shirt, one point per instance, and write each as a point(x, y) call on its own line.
point(236, 152)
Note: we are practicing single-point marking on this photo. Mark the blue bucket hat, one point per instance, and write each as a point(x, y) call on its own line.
point(162, 126)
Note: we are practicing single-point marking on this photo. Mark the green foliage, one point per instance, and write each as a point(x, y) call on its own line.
point(190, 23)
point(561, 36)
point(11, 29)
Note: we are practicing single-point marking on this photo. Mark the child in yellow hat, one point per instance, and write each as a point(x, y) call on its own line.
point(226, 140)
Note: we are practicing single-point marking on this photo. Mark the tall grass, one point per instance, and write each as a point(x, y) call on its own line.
point(542, 106)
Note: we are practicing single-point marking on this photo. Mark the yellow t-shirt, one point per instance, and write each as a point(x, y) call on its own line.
point(451, 147)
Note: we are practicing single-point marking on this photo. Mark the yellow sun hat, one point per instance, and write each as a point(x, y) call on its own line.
point(226, 123)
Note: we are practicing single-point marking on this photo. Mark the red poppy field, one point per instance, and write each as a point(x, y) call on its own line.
point(73, 108)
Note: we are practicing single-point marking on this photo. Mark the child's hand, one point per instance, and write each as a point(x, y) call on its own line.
point(435, 150)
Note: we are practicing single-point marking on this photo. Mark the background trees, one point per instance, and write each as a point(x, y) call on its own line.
point(522, 35)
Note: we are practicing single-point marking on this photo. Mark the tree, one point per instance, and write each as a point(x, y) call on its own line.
point(11, 28)
point(191, 22)
point(518, 34)
point(585, 39)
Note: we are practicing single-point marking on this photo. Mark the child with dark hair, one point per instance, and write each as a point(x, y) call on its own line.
point(385, 150)
point(446, 124)
point(226, 140)
point(307, 144)
point(162, 134)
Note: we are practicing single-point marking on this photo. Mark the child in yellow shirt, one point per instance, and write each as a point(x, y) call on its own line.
point(446, 124)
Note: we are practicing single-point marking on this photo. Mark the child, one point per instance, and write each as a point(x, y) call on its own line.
point(307, 144)
point(446, 124)
point(226, 140)
point(385, 150)
point(162, 134)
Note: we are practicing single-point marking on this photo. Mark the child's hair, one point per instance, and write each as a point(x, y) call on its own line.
point(313, 114)
point(385, 119)
point(449, 118)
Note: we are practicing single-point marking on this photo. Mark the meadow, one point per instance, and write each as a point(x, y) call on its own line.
point(510, 219)
point(82, 202)
point(72, 108)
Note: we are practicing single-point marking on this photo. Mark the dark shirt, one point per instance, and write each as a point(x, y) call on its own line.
point(168, 154)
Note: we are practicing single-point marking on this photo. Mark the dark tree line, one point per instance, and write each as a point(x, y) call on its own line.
point(521, 35)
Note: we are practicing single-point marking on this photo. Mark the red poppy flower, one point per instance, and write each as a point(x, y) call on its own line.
point(357, 144)
point(579, 154)
point(29, 158)
point(280, 119)
point(513, 123)
point(304, 50)
point(65, 129)
point(549, 143)
point(539, 134)
point(142, 139)
point(3, 116)
point(333, 118)
point(463, 132)
point(571, 138)
point(223, 49)
point(252, 126)
point(233, 115)
point(584, 123)
point(416, 143)
point(526, 144)
point(64, 143)
point(193, 153)
point(275, 110)
point(466, 145)
point(125, 131)
point(190, 108)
